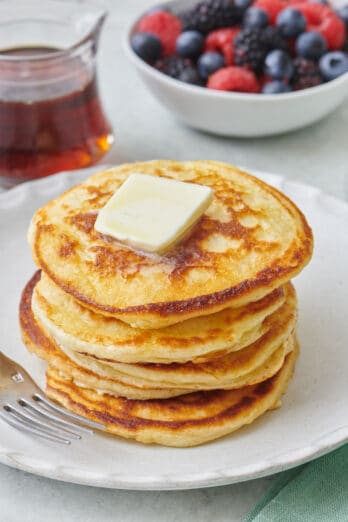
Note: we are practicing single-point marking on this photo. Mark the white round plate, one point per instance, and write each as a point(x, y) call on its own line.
point(312, 421)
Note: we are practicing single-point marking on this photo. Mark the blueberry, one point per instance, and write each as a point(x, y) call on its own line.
point(208, 63)
point(310, 45)
point(255, 18)
point(276, 87)
point(323, 2)
point(189, 44)
point(332, 65)
point(291, 22)
point(342, 12)
point(278, 65)
point(147, 46)
point(242, 4)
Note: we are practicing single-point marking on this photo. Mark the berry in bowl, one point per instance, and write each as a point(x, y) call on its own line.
point(244, 67)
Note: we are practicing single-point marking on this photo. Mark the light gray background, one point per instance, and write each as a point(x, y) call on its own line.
point(144, 130)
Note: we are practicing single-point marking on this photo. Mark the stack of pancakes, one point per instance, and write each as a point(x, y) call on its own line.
point(176, 349)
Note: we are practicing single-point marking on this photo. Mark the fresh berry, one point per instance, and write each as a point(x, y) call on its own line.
point(164, 25)
point(189, 44)
point(334, 64)
point(233, 79)
point(252, 45)
point(208, 63)
point(272, 46)
point(272, 8)
point(342, 12)
point(291, 22)
point(255, 17)
point(278, 65)
point(276, 87)
point(222, 41)
point(250, 49)
point(209, 15)
point(306, 74)
point(274, 39)
point(182, 69)
point(310, 45)
point(325, 21)
point(147, 46)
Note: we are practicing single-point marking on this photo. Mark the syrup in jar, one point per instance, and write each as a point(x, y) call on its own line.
point(51, 117)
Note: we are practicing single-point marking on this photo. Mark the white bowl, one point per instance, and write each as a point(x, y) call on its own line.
point(237, 114)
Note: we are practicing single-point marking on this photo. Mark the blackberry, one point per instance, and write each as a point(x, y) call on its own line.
point(306, 74)
point(250, 49)
point(252, 45)
point(209, 15)
point(275, 40)
point(182, 69)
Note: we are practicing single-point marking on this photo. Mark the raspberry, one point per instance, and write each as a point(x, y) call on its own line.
point(325, 21)
point(290, 3)
point(221, 41)
point(234, 79)
point(164, 25)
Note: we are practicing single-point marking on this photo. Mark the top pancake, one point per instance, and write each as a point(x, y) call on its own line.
point(251, 240)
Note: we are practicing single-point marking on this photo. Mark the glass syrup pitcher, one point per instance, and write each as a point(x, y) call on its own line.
point(51, 118)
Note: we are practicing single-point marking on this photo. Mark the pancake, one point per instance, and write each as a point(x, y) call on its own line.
point(251, 240)
point(188, 420)
point(256, 364)
point(81, 330)
point(216, 375)
point(229, 370)
point(38, 341)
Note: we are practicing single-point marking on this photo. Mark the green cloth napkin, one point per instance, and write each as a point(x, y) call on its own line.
point(314, 492)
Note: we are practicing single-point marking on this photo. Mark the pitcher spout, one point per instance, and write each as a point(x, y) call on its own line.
point(88, 27)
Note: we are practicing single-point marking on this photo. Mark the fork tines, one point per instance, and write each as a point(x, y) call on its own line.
point(25, 407)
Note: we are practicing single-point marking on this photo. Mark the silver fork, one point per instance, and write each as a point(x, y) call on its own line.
point(24, 406)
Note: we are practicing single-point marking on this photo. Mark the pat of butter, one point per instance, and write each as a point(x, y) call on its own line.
point(153, 213)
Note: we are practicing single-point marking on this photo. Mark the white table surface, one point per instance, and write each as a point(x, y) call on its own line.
point(144, 130)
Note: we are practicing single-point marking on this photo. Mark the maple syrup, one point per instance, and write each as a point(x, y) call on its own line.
point(51, 118)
